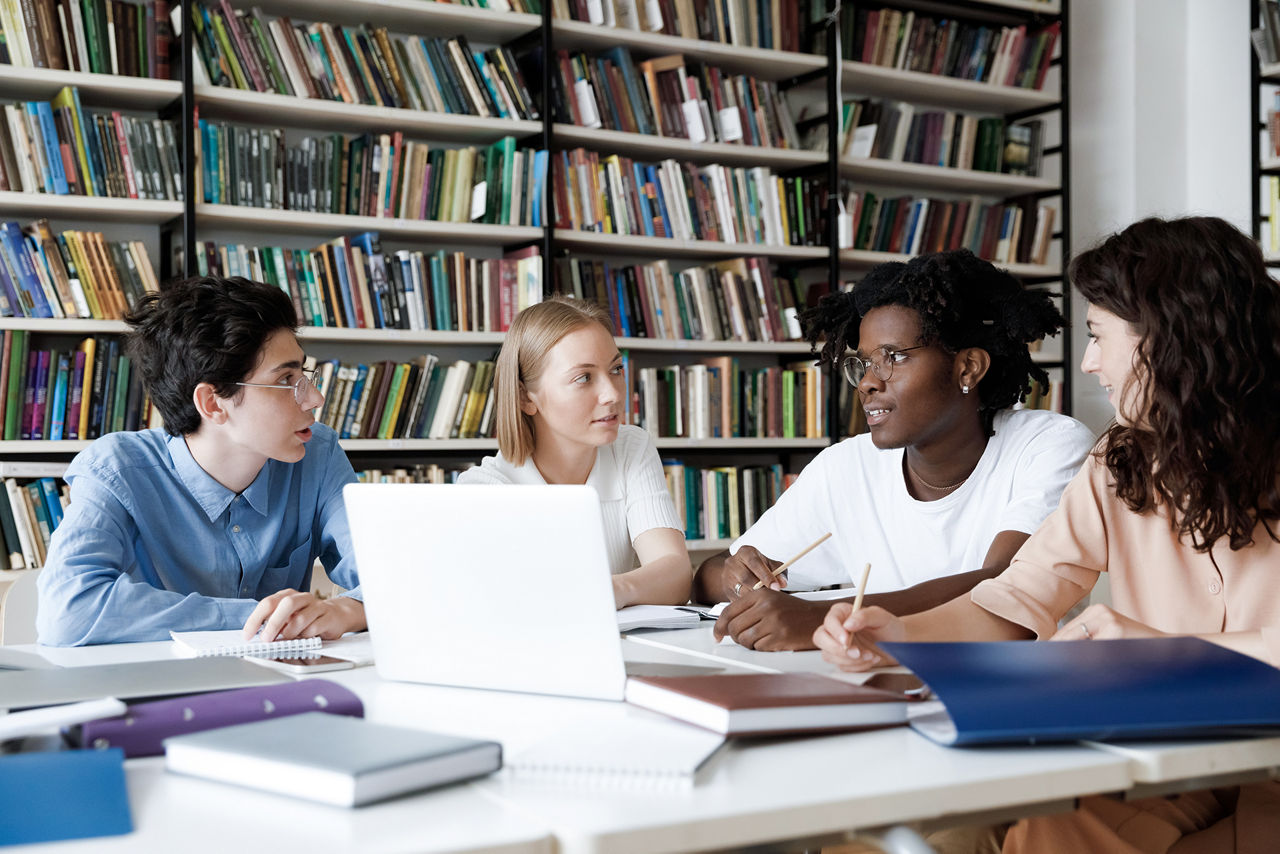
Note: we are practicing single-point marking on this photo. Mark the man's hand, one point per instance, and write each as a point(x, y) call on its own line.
point(290, 614)
point(769, 620)
point(747, 567)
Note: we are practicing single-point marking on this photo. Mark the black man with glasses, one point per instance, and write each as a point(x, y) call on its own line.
point(214, 521)
point(950, 479)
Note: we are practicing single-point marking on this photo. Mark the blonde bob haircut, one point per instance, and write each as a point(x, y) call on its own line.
point(523, 358)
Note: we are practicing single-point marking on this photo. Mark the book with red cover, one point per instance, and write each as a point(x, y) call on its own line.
point(140, 731)
point(747, 704)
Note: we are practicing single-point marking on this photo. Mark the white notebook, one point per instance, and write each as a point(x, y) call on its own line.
point(232, 642)
point(638, 750)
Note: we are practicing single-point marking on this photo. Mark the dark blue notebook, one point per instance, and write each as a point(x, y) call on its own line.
point(72, 794)
point(1019, 692)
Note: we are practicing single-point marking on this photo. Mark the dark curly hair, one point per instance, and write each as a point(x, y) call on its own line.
point(204, 329)
point(962, 302)
point(1198, 294)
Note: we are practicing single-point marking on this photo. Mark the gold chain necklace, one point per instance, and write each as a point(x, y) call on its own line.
point(948, 488)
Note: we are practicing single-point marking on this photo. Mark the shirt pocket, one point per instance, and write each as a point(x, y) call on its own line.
point(294, 572)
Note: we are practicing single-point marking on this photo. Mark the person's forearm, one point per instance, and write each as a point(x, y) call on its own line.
point(708, 582)
point(664, 581)
point(929, 594)
point(961, 620)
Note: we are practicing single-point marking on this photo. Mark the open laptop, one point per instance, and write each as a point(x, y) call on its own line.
point(503, 587)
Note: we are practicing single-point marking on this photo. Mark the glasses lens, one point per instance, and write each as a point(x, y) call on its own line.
point(302, 389)
point(854, 370)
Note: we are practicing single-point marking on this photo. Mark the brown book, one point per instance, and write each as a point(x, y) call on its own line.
point(742, 704)
point(378, 402)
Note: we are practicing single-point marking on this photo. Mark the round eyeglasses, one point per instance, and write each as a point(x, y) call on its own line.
point(854, 366)
point(301, 389)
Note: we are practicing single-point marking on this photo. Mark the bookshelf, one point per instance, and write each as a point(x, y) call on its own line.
point(826, 77)
point(1265, 165)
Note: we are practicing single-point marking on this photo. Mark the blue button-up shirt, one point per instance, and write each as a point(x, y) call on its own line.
point(151, 542)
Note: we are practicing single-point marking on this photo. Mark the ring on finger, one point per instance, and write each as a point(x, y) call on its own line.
point(1087, 634)
point(737, 589)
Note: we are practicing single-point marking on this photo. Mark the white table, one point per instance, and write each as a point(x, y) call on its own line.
point(761, 792)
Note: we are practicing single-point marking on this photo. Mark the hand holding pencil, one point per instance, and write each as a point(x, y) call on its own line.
point(849, 634)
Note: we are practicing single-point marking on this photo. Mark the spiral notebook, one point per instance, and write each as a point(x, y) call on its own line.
point(232, 642)
point(636, 751)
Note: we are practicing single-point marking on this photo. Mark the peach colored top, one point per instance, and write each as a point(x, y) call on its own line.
point(1155, 578)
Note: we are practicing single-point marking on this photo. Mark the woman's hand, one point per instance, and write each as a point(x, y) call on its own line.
point(848, 640)
point(1100, 622)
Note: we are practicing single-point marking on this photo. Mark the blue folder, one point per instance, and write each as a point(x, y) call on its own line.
point(73, 794)
point(1020, 692)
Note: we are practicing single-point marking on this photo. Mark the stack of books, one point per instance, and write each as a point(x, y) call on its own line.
point(349, 282)
point(359, 64)
point(672, 97)
point(734, 300)
point(71, 274)
point(58, 147)
point(616, 195)
point(99, 36)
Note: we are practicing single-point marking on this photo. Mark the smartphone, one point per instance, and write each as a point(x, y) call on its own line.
point(314, 664)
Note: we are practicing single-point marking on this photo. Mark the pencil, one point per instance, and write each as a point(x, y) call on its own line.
point(862, 586)
point(784, 566)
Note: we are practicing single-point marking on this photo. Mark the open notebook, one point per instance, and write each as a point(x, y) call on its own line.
point(232, 642)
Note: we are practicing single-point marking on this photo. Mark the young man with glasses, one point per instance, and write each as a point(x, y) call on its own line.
point(948, 482)
point(215, 521)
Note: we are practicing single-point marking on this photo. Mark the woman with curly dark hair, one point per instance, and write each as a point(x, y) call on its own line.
point(950, 480)
point(1179, 506)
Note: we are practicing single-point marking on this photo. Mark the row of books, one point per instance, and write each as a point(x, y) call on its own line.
point(735, 300)
point(893, 130)
point(70, 274)
point(1270, 198)
point(29, 514)
point(1003, 56)
point(1013, 232)
point(718, 398)
point(721, 502)
point(616, 195)
point(769, 24)
point(422, 399)
point(349, 282)
point(420, 473)
point(79, 393)
point(100, 36)
point(359, 64)
point(1042, 397)
point(669, 96)
point(1266, 36)
point(378, 175)
point(58, 147)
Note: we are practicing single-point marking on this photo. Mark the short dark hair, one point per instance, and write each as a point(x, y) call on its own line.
point(203, 329)
point(962, 302)
point(1198, 294)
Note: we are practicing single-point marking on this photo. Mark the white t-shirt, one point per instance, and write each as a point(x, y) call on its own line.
point(858, 492)
point(628, 477)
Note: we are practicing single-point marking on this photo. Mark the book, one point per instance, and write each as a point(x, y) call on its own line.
point(144, 726)
point(333, 759)
point(657, 617)
point(232, 642)
point(741, 704)
point(1032, 692)
point(73, 794)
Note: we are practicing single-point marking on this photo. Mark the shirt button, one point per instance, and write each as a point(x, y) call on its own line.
point(237, 530)
point(1215, 588)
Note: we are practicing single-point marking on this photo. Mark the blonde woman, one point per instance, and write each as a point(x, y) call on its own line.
point(559, 410)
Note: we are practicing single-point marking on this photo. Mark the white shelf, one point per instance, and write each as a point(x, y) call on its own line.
point(704, 545)
point(331, 225)
point(861, 259)
point(937, 90)
point(646, 146)
point(899, 173)
point(668, 443)
point(1270, 163)
point(412, 16)
point(9, 575)
point(9, 468)
point(438, 445)
point(665, 247)
point(1270, 73)
point(88, 207)
point(1052, 7)
point(64, 326)
point(761, 63)
point(117, 91)
point(221, 102)
point(685, 345)
point(444, 338)
point(36, 447)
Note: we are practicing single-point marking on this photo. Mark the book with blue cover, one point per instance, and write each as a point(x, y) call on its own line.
point(1029, 692)
point(72, 794)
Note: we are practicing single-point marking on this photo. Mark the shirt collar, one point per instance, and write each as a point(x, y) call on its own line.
point(213, 497)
